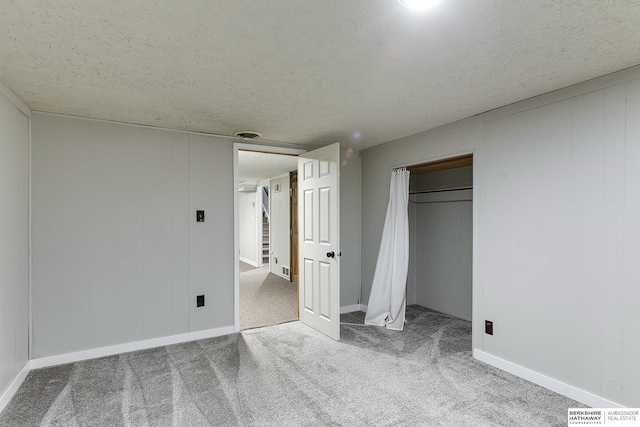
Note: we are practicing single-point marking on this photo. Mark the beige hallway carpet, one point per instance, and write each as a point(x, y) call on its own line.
point(265, 299)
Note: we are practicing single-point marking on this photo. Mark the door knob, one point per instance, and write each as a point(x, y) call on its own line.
point(331, 254)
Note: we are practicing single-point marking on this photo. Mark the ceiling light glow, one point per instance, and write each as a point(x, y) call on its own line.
point(419, 4)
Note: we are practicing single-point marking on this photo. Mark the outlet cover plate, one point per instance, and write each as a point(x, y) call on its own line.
point(488, 327)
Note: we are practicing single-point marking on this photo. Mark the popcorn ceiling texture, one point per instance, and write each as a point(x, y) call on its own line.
point(256, 166)
point(310, 72)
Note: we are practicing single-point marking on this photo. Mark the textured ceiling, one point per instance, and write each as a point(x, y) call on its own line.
point(360, 72)
point(254, 166)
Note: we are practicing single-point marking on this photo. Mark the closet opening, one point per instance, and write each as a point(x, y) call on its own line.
point(441, 238)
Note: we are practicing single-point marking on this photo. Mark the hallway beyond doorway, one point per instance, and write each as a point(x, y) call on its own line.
point(265, 299)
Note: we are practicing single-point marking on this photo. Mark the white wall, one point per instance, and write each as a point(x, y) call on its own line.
point(441, 230)
point(556, 231)
point(279, 225)
point(248, 217)
point(14, 242)
point(117, 254)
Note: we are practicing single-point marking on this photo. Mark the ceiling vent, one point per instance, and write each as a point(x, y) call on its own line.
point(247, 134)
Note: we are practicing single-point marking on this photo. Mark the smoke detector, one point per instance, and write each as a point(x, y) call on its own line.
point(247, 134)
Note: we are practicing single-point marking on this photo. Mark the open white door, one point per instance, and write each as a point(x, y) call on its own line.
point(319, 231)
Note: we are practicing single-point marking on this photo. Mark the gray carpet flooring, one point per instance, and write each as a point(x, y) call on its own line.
point(265, 299)
point(244, 267)
point(290, 375)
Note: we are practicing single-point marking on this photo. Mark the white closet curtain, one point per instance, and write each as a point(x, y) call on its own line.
point(388, 291)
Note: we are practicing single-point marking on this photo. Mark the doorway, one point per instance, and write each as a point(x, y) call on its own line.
point(266, 292)
point(441, 236)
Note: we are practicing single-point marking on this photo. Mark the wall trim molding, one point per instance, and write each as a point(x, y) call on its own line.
point(15, 100)
point(95, 353)
point(6, 396)
point(257, 142)
point(552, 384)
point(61, 359)
point(248, 261)
point(352, 308)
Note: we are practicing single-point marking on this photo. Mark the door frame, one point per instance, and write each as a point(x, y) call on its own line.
point(294, 263)
point(237, 146)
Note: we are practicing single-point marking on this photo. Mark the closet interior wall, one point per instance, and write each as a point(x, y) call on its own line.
point(440, 228)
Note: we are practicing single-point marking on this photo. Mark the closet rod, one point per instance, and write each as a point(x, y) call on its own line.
point(441, 190)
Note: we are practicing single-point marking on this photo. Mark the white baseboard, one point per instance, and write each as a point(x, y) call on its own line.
point(570, 391)
point(6, 396)
point(95, 353)
point(351, 308)
point(251, 263)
